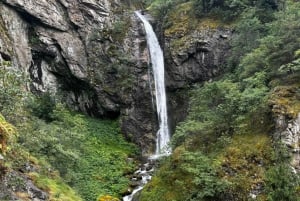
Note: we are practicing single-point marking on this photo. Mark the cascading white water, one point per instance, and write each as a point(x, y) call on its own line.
point(163, 136)
point(157, 61)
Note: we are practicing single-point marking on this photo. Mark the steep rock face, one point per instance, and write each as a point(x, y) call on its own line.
point(288, 131)
point(94, 53)
point(198, 56)
point(193, 57)
point(41, 10)
point(94, 56)
point(285, 104)
point(14, 38)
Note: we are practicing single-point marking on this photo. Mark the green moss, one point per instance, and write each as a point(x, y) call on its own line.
point(181, 23)
point(244, 162)
point(285, 99)
point(57, 189)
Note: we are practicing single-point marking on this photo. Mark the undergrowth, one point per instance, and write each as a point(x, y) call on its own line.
point(89, 154)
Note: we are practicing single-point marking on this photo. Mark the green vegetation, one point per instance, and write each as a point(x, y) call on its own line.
point(91, 155)
point(281, 181)
point(185, 176)
point(75, 157)
point(12, 91)
point(54, 185)
point(224, 147)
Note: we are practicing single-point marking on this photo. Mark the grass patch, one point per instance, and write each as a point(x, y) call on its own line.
point(57, 189)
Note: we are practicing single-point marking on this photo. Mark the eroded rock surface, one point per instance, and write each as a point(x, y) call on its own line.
point(200, 57)
point(15, 186)
point(94, 54)
point(288, 131)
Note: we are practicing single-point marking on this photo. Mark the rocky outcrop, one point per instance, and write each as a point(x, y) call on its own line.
point(15, 186)
point(93, 55)
point(193, 57)
point(196, 57)
point(288, 131)
point(91, 52)
point(285, 104)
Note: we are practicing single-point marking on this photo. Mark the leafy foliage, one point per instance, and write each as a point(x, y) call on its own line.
point(222, 107)
point(161, 8)
point(229, 121)
point(185, 176)
point(205, 178)
point(282, 184)
point(42, 106)
point(276, 49)
point(6, 133)
point(91, 155)
point(12, 90)
point(230, 9)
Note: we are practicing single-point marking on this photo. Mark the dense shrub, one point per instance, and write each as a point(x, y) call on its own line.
point(42, 106)
point(12, 91)
point(90, 154)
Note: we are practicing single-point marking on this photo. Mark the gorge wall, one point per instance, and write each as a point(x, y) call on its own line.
point(93, 55)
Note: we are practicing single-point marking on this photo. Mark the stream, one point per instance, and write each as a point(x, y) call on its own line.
point(143, 175)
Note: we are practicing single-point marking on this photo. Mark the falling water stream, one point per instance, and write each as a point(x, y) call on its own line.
point(162, 135)
point(157, 61)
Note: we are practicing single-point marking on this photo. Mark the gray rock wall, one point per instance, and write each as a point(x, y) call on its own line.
point(94, 54)
point(288, 131)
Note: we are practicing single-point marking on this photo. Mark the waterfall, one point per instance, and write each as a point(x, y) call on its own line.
point(162, 136)
point(157, 61)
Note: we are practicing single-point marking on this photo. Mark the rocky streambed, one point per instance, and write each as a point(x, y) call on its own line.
point(139, 179)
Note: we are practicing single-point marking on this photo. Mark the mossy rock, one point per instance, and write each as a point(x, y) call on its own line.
point(286, 100)
point(182, 21)
point(244, 162)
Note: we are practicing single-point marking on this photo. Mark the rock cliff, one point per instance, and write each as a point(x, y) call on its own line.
point(93, 55)
point(285, 103)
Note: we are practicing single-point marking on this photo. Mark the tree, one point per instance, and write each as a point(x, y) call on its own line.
point(206, 182)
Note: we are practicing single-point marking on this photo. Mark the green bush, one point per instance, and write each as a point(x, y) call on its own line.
point(207, 184)
point(42, 106)
point(282, 184)
point(222, 107)
point(12, 90)
point(231, 9)
point(189, 176)
point(90, 154)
